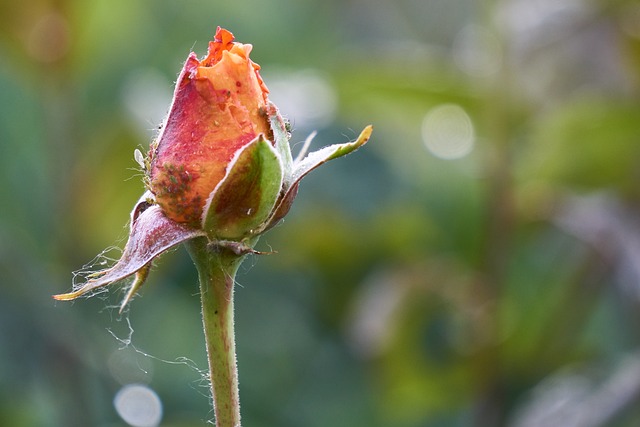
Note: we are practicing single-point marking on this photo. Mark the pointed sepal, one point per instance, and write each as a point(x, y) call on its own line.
point(307, 164)
point(139, 279)
point(151, 234)
point(317, 158)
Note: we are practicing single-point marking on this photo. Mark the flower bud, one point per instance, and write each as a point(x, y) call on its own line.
point(219, 107)
point(221, 167)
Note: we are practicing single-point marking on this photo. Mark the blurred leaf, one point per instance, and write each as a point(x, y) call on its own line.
point(589, 143)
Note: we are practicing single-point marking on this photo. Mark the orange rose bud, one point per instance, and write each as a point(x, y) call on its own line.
point(221, 168)
point(219, 106)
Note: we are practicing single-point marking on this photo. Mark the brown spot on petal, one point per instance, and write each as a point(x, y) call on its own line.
point(173, 191)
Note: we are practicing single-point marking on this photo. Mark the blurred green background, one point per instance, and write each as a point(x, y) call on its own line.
point(476, 264)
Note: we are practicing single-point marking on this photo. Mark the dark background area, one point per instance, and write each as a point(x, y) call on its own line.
point(476, 264)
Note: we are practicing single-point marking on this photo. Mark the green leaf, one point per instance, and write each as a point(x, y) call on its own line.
point(245, 197)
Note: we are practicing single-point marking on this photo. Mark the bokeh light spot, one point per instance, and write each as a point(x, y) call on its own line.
point(48, 39)
point(447, 132)
point(138, 405)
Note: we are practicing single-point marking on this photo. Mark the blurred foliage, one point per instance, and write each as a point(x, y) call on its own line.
point(413, 285)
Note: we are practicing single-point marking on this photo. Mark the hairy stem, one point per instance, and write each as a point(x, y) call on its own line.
point(217, 269)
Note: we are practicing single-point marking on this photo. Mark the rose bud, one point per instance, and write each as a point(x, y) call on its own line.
point(219, 107)
point(221, 167)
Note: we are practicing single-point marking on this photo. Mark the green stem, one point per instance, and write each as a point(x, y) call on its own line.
point(217, 269)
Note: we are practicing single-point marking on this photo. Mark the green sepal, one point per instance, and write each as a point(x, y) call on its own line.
point(245, 197)
point(306, 165)
point(315, 159)
point(281, 138)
